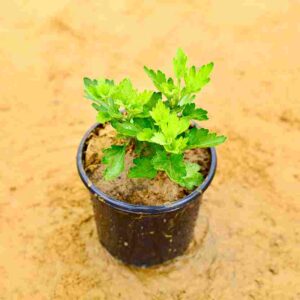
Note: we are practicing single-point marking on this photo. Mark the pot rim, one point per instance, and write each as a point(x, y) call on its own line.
point(141, 209)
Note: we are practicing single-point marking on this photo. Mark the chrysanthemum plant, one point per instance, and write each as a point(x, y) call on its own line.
point(157, 124)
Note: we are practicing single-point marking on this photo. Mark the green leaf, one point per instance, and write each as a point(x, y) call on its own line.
point(201, 138)
point(158, 138)
point(172, 164)
point(114, 159)
point(125, 128)
point(143, 168)
point(195, 79)
point(160, 113)
point(143, 97)
point(184, 173)
point(193, 177)
point(177, 146)
point(179, 63)
point(164, 85)
point(90, 90)
point(104, 88)
point(170, 124)
point(157, 77)
point(124, 92)
point(135, 106)
point(107, 112)
point(103, 117)
point(194, 113)
point(145, 135)
point(142, 123)
point(87, 81)
point(113, 97)
point(112, 109)
point(186, 99)
point(170, 90)
point(133, 127)
point(98, 90)
point(149, 105)
point(175, 126)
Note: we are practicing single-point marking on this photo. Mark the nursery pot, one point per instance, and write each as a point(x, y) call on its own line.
point(144, 235)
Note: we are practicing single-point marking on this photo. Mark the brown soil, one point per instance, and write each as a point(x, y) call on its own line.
point(247, 238)
point(157, 191)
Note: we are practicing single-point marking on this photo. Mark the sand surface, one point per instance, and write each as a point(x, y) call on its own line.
point(247, 238)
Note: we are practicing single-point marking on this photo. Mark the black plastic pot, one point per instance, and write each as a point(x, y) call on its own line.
point(144, 235)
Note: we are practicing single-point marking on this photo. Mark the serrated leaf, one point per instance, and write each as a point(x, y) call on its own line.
point(103, 117)
point(98, 90)
point(142, 123)
point(172, 164)
point(155, 97)
point(112, 109)
point(169, 89)
point(135, 127)
point(179, 63)
point(107, 112)
point(160, 113)
point(98, 107)
point(158, 138)
point(195, 79)
point(177, 146)
point(164, 85)
point(135, 106)
point(175, 126)
point(193, 177)
point(170, 124)
point(143, 168)
point(114, 158)
point(104, 89)
point(115, 97)
point(184, 173)
point(90, 92)
point(126, 96)
point(145, 135)
point(124, 92)
point(125, 128)
point(143, 97)
point(202, 138)
point(87, 81)
point(186, 99)
point(157, 77)
point(194, 113)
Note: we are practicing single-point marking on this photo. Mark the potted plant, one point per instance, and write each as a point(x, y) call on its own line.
point(146, 163)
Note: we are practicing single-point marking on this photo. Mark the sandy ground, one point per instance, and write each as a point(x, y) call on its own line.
point(247, 239)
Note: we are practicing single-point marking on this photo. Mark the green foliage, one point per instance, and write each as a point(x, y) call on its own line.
point(143, 168)
point(194, 113)
point(172, 164)
point(114, 159)
point(157, 123)
point(179, 63)
point(109, 99)
point(192, 177)
point(201, 138)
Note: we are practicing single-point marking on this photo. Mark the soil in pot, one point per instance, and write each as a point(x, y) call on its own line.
point(157, 191)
